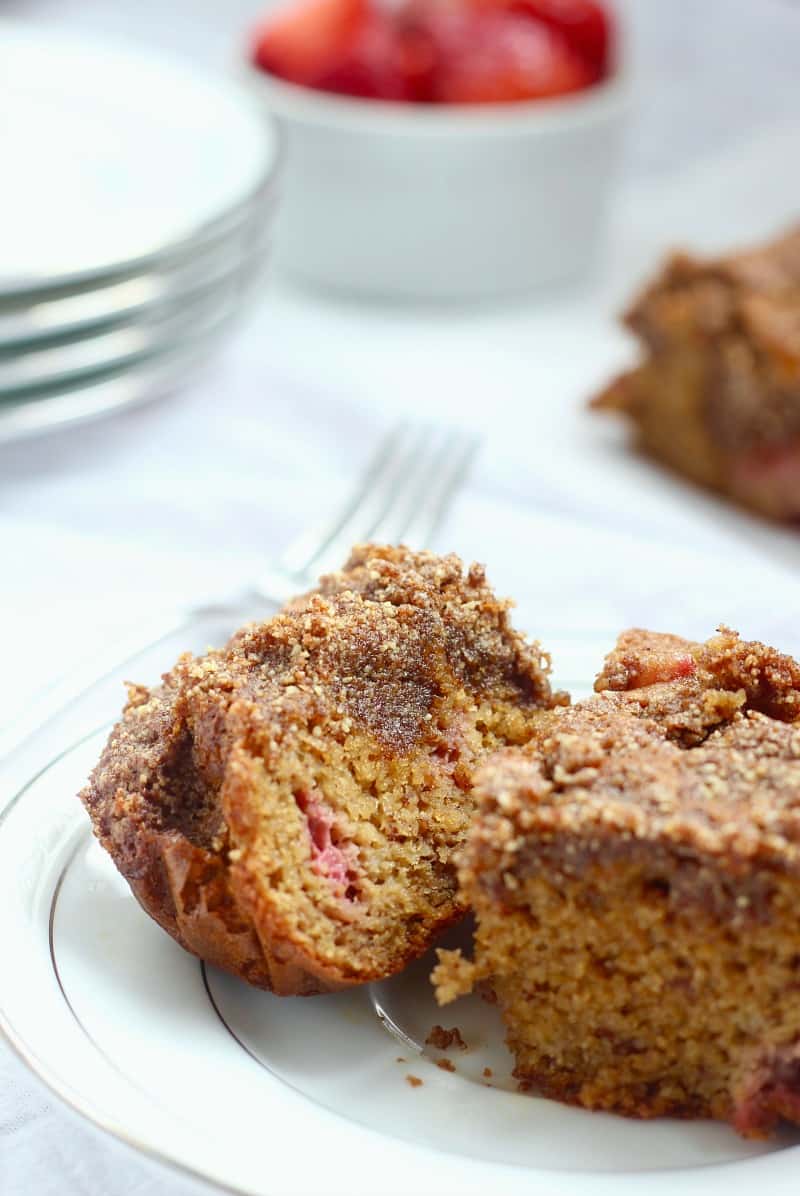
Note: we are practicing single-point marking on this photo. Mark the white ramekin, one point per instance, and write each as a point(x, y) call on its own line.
point(442, 202)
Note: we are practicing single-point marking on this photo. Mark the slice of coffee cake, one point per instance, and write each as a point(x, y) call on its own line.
point(716, 395)
point(636, 876)
point(288, 807)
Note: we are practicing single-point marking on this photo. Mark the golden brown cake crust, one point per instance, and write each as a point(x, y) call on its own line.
point(143, 801)
point(717, 394)
point(383, 644)
point(635, 871)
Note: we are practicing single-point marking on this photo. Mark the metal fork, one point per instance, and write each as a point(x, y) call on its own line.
point(401, 496)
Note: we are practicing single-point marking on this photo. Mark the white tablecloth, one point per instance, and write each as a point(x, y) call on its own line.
point(189, 495)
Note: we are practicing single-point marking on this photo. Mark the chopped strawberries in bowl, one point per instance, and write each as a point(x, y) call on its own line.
point(438, 51)
point(301, 42)
point(495, 56)
point(584, 25)
point(384, 60)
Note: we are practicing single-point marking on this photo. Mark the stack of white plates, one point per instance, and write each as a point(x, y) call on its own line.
point(135, 205)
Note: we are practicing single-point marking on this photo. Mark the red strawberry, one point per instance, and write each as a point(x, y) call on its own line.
point(584, 24)
point(656, 667)
point(447, 51)
point(388, 59)
point(492, 56)
point(307, 39)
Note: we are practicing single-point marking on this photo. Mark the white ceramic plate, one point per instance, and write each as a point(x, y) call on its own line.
point(136, 203)
point(112, 156)
point(286, 1096)
point(130, 358)
point(142, 299)
point(93, 396)
point(181, 321)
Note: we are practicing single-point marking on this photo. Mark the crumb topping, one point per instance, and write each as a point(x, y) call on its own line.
point(699, 771)
point(378, 643)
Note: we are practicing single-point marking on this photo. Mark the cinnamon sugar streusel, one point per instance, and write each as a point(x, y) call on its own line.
point(288, 807)
point(636, 873)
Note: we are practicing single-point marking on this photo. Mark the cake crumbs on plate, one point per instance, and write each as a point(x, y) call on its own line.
point(443, 1039)
point(446, 1064)
point(414, 1081)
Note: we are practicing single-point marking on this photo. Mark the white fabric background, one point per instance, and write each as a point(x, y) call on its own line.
point(187, 496)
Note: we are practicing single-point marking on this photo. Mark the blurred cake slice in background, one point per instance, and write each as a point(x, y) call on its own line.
point(717, 394)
